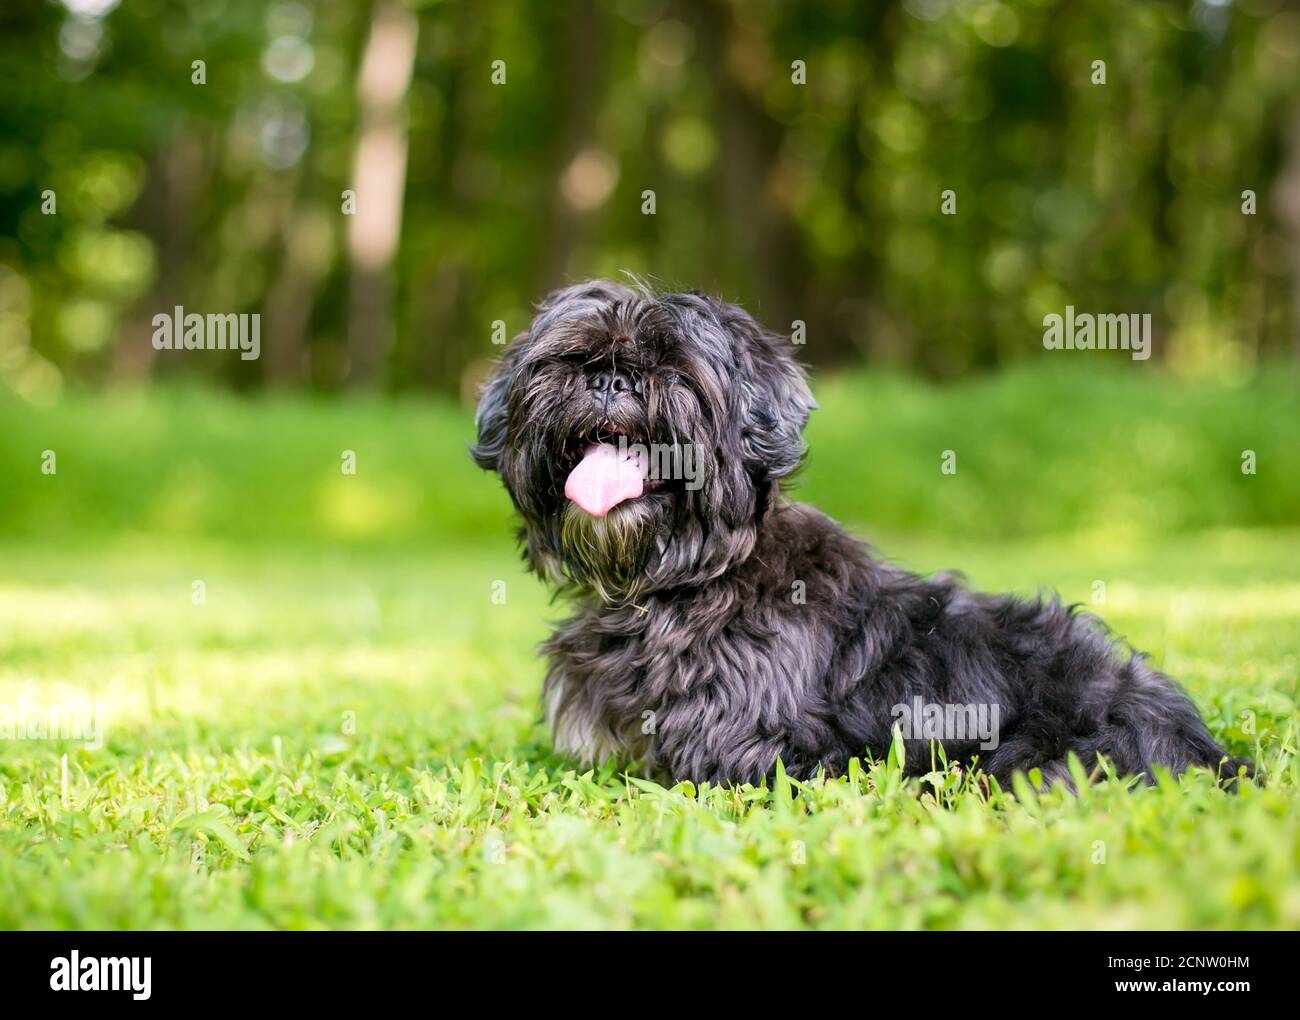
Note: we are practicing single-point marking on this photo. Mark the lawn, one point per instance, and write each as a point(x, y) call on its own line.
point(339, 726)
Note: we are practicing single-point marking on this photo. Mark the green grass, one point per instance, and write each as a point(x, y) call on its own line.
point(1037, 452)
point(346, 734)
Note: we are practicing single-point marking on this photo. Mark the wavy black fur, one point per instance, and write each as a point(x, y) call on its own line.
point(693, 649)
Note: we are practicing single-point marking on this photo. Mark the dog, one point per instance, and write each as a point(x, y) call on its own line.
point(719, 627)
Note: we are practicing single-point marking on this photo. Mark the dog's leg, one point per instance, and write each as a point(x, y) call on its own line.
point(1134, 715)
point(1150, 721)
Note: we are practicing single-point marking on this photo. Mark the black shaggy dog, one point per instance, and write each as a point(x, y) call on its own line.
point(719, 626)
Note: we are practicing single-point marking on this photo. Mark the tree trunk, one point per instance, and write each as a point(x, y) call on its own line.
point(379, 180)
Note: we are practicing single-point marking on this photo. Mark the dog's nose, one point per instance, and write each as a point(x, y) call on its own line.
point(607, 384)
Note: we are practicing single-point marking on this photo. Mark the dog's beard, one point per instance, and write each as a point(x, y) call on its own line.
point(607, 554)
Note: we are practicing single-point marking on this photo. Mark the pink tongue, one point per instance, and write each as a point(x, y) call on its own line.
point(603, 479)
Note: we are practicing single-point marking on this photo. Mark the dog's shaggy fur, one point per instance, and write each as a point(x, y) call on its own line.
point(722, 627)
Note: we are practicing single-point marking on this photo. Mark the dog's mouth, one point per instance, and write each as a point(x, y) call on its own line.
point(604, 468)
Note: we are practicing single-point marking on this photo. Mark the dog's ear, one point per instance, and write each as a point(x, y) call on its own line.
point(492, 420)
point(773, 400)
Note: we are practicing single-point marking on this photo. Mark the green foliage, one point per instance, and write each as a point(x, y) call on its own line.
point(818, 202)
point(1037, 452)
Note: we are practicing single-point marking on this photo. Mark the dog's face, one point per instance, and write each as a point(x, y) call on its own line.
point(641, 436)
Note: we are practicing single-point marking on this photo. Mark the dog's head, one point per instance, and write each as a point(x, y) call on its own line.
point(642, 436)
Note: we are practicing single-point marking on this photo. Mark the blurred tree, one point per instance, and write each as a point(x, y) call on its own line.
point(379, 181)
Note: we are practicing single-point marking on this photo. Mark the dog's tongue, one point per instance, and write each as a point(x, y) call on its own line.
point(603, 479)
